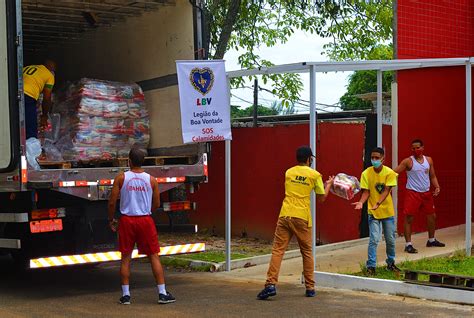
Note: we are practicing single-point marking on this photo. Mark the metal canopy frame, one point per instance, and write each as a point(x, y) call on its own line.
point(380, 66)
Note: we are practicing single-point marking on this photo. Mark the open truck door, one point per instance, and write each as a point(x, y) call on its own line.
point(10, 94)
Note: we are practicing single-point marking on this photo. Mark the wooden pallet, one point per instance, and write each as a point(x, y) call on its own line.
point(117, 162)
point(44, 164)
point(440, 280)
point(158, 160)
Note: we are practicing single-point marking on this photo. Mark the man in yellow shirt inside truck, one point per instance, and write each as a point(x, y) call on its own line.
point(37, 80)
point(295, 219)
point(376, 183)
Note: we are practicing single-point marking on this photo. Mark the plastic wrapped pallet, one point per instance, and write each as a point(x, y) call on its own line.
point(100, 120)
point(345, 186)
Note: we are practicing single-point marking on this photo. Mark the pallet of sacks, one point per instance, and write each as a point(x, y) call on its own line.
point(96, 120)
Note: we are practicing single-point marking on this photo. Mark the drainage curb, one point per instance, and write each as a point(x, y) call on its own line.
point(265, 259)
point(391, 287)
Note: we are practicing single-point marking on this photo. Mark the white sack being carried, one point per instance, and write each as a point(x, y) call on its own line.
point(345, 186)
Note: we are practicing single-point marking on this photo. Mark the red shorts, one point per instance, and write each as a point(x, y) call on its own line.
point(140, 230)
point(418, 203)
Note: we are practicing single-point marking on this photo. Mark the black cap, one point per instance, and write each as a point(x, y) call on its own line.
point(303, 153)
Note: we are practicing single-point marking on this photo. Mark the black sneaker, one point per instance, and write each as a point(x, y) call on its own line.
point(410, 249)
point(268, 291)
point(370, 271)
point(125, 300)
point(393, 268)
point(310, 293)
point(166, 299)
point(435, 243)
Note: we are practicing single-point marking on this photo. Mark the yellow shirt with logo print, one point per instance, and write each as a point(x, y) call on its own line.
point(299, 182)
point(35, 79)
point(376, 183)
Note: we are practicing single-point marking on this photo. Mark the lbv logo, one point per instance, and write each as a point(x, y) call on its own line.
point(300, 178)
point(203, 101)
point(202, 79)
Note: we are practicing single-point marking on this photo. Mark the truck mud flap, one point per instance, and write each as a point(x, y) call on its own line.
point(195, 179)
point(38, 185)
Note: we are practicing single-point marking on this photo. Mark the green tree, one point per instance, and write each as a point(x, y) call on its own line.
point(281, 109)
point(237, 112)
point(356, 27)
point(361, 82)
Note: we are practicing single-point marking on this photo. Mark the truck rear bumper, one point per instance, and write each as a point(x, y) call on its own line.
point(55, 261)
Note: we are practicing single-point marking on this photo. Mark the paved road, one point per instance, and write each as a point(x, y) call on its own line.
point(93, 292)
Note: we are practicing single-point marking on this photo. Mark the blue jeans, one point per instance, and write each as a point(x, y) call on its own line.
point(375, 229)
point(31, 117)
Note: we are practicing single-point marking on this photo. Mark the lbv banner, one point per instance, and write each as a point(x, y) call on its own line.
point(204, 101)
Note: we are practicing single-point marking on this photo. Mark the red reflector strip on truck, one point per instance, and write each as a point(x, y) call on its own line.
point(106, 182)
point(171, 179)
point(24, 170)
point(81, 183)
point(204, 158)
point(67, 184)
point(110, 256)
point(176, 206)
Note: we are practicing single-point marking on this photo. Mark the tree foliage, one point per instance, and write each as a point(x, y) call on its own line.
point(276, 108)
point(361, 82)
point(356, 27)
point(237, 112)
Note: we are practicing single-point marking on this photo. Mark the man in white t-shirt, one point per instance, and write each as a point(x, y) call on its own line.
point(139, 196)
point(418, 198)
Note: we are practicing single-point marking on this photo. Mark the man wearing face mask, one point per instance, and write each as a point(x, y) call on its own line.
point(295, 219)
point(418, 198)
point(37, 80)
point(376, 183)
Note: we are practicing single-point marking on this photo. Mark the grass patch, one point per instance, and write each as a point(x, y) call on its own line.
point(211, 256)
point(458, 264)
point(184, 261)
point(172, 261)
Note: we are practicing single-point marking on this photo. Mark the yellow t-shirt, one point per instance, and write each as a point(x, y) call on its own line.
point(35, 79)
point(376, 183)
point(299, 182)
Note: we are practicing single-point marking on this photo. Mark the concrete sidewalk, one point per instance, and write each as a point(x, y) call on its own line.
point(350, 259)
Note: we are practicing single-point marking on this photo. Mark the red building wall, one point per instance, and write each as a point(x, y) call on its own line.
point(260, 157)
point(431, 102)
point(435, 28)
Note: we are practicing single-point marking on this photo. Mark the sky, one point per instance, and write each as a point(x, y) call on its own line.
point(301, 47)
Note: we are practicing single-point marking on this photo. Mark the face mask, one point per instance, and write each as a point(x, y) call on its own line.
point(418, 152)
point(376, 163)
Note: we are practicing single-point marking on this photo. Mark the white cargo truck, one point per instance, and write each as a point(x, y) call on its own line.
point(52, 217)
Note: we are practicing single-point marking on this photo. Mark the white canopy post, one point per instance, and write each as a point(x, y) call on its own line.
point(379, 108)
point(312, 142)
point(468, 158)
point(228, 212)
point(394, 114)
